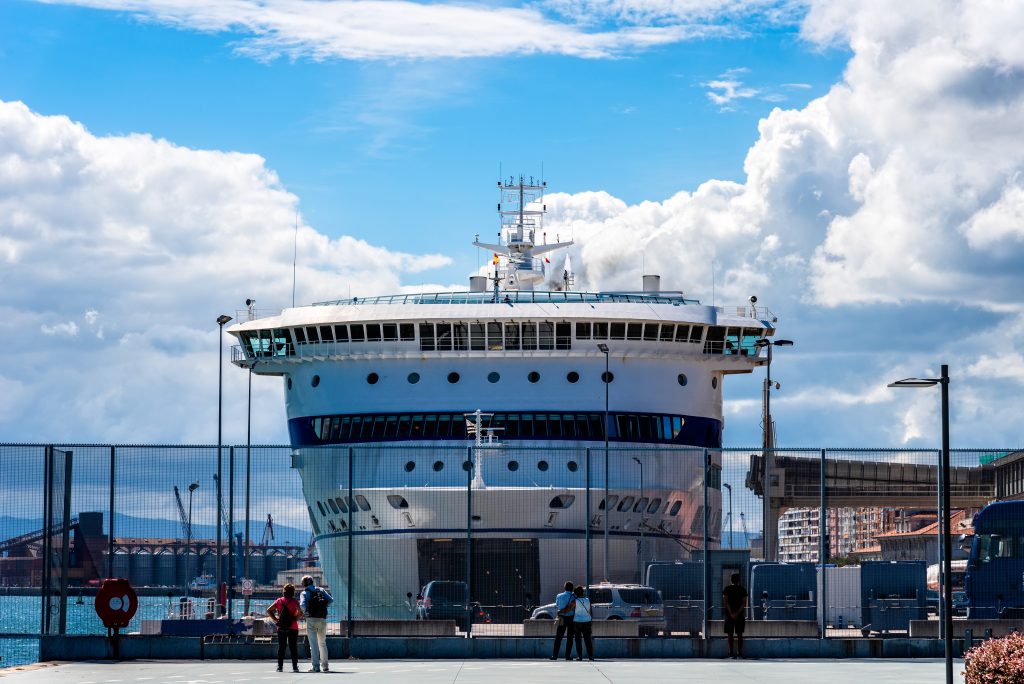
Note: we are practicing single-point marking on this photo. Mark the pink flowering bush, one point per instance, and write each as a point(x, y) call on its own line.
point(996, 661)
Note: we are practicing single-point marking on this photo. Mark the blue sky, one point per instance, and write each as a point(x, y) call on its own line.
point(854, 164)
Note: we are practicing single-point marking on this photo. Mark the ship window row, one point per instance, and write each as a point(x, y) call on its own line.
point(500, 336)
point(628, 427)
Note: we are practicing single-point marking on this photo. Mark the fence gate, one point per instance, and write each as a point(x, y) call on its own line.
point(56, 541)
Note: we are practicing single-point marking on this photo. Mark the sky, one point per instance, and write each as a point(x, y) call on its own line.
point(856, 165)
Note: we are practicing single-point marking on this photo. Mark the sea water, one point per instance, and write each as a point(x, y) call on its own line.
point(20, 615)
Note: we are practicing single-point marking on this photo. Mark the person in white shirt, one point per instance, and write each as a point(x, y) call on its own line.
point(581, 624)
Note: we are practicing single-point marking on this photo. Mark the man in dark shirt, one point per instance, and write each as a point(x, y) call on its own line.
point(734, 602)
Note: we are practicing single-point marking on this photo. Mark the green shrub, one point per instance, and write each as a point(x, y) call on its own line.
point(996, 661)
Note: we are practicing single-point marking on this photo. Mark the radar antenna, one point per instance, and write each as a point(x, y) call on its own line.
point(521, 212)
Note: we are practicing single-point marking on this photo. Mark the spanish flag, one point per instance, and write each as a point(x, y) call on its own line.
point(495, 259)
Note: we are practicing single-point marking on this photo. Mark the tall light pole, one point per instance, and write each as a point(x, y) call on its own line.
point(768, 541)
point(221, 320)
point(643, 509)
point(944, 522)
point(728, 488)
point(607, 377)
point(188, 541)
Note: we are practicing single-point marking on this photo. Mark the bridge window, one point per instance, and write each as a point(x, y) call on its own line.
point(600, 331)
point(667, 331)
point(494, 341)
point(640, 505)
point(546, 335)
point(356, 332)
point(341, 505)
point(427, 337)
point(563, 501)
point(373, 332)
point(312, 335)
point(444, 336)
point(333, 506)
point(300, 335)
point(626, 503)
point(341, 333)
point(682, 333)
point(583, 331)
point(512, 336)
point(618, 331)
point(634, 331)
point(529, 336)
point(406, 332)
point(675, 508)
point(696, 333)
point(612, 500)
point(321, 507)
point(563, 336)
point(460, 338)
point(477, 340)
point(655, 505)
point(651, 332)
point(364, 505)
point(326, 333)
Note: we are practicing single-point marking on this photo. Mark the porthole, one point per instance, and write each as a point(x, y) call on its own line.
point(681, 378)
point(542, 465)
point(714, 382)
point(410, 466)
point(453, 377)
point(315, 381)
point(573, 377)
point(438, 466)
point(397, 501)
point(372, 379)
point(534, 376)
point(573, 466)
point(493, 377)
point(513, 466)
point(413, 378)
point(289, 383)
point(608, 376)
point(467, 465)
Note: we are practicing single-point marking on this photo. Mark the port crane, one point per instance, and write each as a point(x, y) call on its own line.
point(186, 525)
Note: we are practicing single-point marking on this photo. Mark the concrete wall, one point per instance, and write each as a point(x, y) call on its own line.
point(70, 648)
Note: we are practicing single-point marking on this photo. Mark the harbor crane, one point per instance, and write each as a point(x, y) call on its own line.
point(268, 531)
point(186, 524)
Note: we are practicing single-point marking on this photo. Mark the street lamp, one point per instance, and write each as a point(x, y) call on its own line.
point(607, 377)
point(643, 509)
point(188, 541)
point(728, 488)
point(767, 445)
point(221, 320)
point(944, 521)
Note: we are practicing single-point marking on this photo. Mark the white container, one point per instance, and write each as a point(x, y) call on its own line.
point(841, 596)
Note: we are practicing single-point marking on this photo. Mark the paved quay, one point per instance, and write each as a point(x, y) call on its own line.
point(847, 671)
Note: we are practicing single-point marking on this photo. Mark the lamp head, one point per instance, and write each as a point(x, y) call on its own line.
point(222, 319)
point(637, 461)
point(915, 382)
point(753, 299)
point(193, 487)
point(603, 348)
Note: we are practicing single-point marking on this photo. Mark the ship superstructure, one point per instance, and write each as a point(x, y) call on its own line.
point(395, 383)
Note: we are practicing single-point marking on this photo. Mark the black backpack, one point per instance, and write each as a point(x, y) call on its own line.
point(286, 618)
point(316, 604)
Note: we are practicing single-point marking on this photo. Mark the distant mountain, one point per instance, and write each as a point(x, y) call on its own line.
point(130, 526)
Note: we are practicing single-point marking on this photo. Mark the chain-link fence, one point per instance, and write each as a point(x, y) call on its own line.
point(483, 537)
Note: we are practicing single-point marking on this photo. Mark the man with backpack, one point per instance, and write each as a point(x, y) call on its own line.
point(314, 602)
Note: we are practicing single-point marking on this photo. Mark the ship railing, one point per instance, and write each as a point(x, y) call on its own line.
point(246, 315)
point(518, 297)
point(758, 313)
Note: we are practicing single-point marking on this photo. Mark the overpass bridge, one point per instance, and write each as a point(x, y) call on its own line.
point(795, 482)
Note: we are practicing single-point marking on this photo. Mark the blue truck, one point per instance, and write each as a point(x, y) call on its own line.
point(994, 581)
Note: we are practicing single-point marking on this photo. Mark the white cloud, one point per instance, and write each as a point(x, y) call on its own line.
point(724, 91)
point(68, 329)
point(164, 238)
point(389, 29)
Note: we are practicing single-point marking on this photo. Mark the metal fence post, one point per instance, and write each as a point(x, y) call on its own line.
point(822, 546)
point(65, 545)
point(707, 561)
point(231, 530)
point(941, 514)
point(469, 542)
point(348, 589)
point(586, 521)
point(44, 578)
point(110, 522)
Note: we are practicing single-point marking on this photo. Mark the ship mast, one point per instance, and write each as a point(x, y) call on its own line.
point(521, 212)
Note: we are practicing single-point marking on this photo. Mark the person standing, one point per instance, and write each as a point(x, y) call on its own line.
point(563, 604)
point(314, 602)
point(734, 601)
point(582, 623)
point(285, 612)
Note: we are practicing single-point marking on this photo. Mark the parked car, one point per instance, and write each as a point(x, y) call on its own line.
point(620, 602)
point(446, 600)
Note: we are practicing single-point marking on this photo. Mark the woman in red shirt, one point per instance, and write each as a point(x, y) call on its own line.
point(285, 612)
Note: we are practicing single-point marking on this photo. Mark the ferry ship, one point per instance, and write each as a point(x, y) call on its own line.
point(486, 411)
